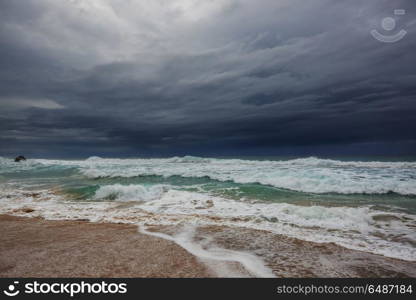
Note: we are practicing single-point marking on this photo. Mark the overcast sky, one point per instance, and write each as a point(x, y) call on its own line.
point(199, 77)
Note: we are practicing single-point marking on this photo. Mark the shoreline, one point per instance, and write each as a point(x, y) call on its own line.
point(36, 247)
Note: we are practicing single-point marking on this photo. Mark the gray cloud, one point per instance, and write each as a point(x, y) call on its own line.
point(204, 77)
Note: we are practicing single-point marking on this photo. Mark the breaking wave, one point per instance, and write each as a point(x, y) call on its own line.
point(130, 192)
point(310, 175)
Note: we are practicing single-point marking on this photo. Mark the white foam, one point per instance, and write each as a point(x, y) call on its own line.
point(356, 228)
point(352, 227)
point(310, 175)
point(130, 192)
point(254, 265)
point(188, 159)
point(8, 165)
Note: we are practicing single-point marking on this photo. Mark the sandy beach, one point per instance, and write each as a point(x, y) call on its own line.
point(34, 247)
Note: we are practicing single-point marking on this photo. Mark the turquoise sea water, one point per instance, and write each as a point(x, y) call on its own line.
point(70, 176)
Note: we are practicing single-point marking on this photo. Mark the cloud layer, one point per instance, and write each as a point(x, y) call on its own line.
point(219, 77)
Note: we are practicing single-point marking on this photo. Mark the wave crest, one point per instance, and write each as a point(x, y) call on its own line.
point(309, 175)
point(120, 192)
point(189, 159)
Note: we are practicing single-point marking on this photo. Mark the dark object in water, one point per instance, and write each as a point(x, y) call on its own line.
point(19, 158)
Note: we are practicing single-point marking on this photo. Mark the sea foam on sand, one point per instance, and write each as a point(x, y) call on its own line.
point(360, 228)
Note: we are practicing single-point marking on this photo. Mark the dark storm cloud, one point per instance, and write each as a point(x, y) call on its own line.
point(112, 77)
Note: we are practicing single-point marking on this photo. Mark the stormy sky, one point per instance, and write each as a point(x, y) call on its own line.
point(221, 77)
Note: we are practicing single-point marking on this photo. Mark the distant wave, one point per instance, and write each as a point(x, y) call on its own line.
point(309, 175)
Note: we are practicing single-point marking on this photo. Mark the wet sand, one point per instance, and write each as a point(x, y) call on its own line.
point(34, 247)
point(290, 257)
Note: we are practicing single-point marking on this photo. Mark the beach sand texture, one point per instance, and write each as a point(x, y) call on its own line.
point(34, 247)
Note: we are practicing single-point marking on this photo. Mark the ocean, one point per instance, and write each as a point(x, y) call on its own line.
point(367, 205)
